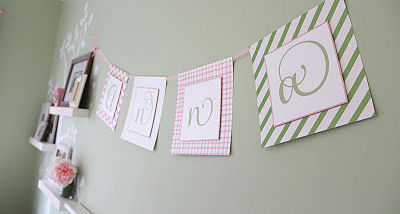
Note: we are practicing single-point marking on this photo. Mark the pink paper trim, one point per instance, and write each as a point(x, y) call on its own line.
point(123, 77)
point(224, 69)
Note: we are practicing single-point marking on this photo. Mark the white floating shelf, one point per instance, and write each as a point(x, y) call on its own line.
point(71, 112)
point(52, 193)
point(74, 207)
point(42, 146)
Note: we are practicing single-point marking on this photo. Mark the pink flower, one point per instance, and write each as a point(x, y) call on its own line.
point(62, 171)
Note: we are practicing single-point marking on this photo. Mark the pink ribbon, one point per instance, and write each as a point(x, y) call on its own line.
point(96, 49)
point(240, 54)
point(170, 78)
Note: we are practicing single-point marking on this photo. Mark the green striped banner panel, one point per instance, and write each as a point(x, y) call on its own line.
point(360, 105)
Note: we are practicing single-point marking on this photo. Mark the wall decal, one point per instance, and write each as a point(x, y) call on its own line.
point(67, 133)
point(77, 40)
point(112, 96)
point(304, 76)
point(218, 76)
point(359, 106)
point(144, 116)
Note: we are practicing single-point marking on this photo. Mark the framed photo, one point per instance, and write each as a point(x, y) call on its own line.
point(79, 67)
point(63, 151)
point(39, 134)
point(79, 85)
point(52, 129)
point(42, 122)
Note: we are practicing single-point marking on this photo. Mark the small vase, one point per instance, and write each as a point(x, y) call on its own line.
point(68, 191)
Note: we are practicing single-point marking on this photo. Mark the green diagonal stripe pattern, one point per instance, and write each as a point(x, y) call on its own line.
point(297, 132)
point(271, 130)
point(262, 83)
point(351, 63)
point(349, 96)
point(332, 10)
point(265, 52)
point(256, 51)
point(318, 122)
point(345, 43)
point(284, 34)
point(316, 16)
point(299, 25)
point(340, 24)
point(361, 107)
point(266, 118)
point(283, 132)
point(347, 52)
point(264, 100)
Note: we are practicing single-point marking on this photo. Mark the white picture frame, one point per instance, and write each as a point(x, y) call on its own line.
point(79, 86)
point(63, 151)
point(130, 132)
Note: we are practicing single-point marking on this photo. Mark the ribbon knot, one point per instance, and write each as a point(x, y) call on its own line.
point(95, 48)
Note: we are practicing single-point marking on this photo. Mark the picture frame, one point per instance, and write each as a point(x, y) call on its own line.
point(80, 66)
point(40, 131)
point(79, 86)
point(53, 124)
point(63, 151)
point(42, 121)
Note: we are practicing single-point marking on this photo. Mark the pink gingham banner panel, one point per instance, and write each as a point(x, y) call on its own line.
point(221, 69)
point(112, 96)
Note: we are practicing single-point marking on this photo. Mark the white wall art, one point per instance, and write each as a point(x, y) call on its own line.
point(144, 116)
point(304, 76)
point(202, 111)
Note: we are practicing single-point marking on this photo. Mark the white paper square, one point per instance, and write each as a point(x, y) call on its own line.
point(202, 111)
point(305, 76)
point(145, 135)
point(113, 90)
point(144, 110)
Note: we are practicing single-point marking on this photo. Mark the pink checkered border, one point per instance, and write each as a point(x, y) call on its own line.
point(124, 77)
point(222, 146)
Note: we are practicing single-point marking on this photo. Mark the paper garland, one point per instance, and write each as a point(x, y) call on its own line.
point(360, 104)
point(224, 69)
point(112, 96)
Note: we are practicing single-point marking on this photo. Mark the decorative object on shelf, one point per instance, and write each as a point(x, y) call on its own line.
point(57, 99)
point(40, 131)
point(79, 85)
point(201, 93)
point(112, 96)
point(63, 151)
point(52, 129)
point(304, 76)
point(42, 122)
point(79, 67)
point(46, 129)
point(360, 105)
point(145, 109)
point(63, 173)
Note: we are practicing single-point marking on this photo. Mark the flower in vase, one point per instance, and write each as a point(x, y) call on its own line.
point(62, 171)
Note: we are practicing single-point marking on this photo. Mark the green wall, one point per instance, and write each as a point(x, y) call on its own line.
point(27, 33)
point(352, 169)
